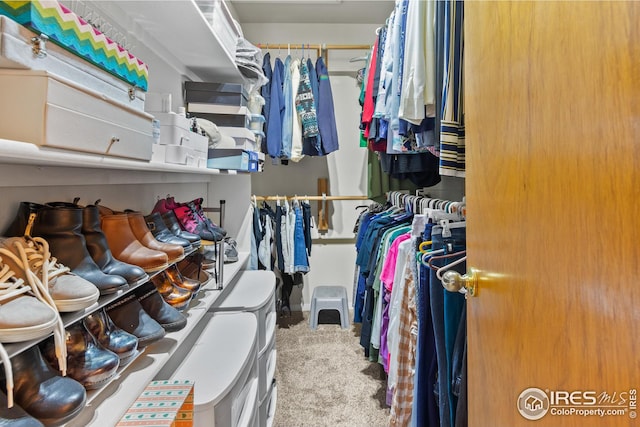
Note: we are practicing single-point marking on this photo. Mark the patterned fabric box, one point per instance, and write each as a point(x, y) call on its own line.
point(73, 33)
point(163, 403)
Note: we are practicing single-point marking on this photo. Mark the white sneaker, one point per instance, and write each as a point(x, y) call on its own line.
point(30, 259)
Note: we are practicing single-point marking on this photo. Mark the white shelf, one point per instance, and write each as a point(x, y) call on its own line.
point(107, 405)
point(181, 28)
point(24, 153)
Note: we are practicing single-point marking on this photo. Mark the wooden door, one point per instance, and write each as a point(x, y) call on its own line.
point(553, 192)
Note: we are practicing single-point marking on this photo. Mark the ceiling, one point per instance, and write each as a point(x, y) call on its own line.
point(312, 11)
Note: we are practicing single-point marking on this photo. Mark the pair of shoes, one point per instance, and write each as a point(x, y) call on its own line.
point(62, 225)
point(42, 392)
point(26, 313)
point(128, 314)
point(174, 291)
point(158, 309)
point(173, 224)
point(131, 241)
point(191, 217)
point(230, 250)
point(87, 361)
point(109, 336)
point(29, 258)
point(163, 234)
point(193, 267)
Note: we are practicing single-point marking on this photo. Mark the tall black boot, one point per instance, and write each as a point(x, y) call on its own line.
point(100, 252)
point(24, 220)
point(60, 224)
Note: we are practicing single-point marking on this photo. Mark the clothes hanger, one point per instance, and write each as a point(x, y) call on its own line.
point(441, 270)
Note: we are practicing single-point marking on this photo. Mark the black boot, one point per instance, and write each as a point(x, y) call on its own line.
point(100, 252)
point(163, 234)
point(128, 315)
point(122, 343)
point(173, 224)
point(23, 222)
point(159, 310)
point(88, 363)
point(40, 391)
point(61, 224)
point(15, 416)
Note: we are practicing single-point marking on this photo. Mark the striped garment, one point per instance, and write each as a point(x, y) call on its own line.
point(305, 104)
point(452, 142)
point(403, 393)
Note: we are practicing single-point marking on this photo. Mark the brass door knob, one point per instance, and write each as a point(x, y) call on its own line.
point(452, 281)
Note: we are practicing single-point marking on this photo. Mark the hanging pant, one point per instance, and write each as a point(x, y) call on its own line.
point(446, 310)
point(425, 407)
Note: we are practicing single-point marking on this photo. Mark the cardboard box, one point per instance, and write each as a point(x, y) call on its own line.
point(162, 403)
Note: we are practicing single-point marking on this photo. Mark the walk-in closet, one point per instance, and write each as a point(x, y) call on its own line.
point(254, 213)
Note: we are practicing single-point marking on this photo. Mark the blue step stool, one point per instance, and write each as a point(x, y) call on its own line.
point(329, 298)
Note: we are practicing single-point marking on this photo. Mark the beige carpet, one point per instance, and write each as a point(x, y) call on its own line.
point(323, 377)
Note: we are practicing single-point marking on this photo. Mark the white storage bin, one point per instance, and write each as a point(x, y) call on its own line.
point(224, 362)
point(47, 110)
point(254, 292)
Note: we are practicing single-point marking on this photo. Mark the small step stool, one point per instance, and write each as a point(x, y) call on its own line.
point(329, 298)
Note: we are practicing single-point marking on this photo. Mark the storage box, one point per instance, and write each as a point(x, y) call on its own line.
point(44, 109)
point(243, 138)
point(16, 52)
point(162, 403)
point(228, 158)
point(216, 93)
point(240, 120)
point(73, 33)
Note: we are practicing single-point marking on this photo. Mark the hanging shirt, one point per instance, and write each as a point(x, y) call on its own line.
point(418, 74)
point(369, 105)
point(305, 104)
point(296, 130)
point(452, 132)
point(386, 70)
point(276, 111)
point(287, 120)
point(326, 113)
point(265, 91)
point(312, 146)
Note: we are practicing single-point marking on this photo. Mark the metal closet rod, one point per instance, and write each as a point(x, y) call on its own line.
point(275, 198)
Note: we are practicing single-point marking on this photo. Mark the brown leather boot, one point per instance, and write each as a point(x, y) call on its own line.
point(140, 229)
point(125, 246)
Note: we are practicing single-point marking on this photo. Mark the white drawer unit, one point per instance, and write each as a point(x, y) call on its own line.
point(223, 364)
point(267, 410)
point(266, 367)
point(253, 292)
point(47, 110)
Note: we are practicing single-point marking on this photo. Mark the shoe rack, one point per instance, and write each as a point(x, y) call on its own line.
point(40, 174)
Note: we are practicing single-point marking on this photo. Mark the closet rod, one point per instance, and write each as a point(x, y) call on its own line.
point(321, 49)
point(310, 46)
point(275, 198)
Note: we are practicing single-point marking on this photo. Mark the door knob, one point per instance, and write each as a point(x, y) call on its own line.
point(452, 281)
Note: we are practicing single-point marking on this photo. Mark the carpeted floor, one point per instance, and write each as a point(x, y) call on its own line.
point(323, 377)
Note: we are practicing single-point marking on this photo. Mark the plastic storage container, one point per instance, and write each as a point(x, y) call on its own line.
point(223, 364)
